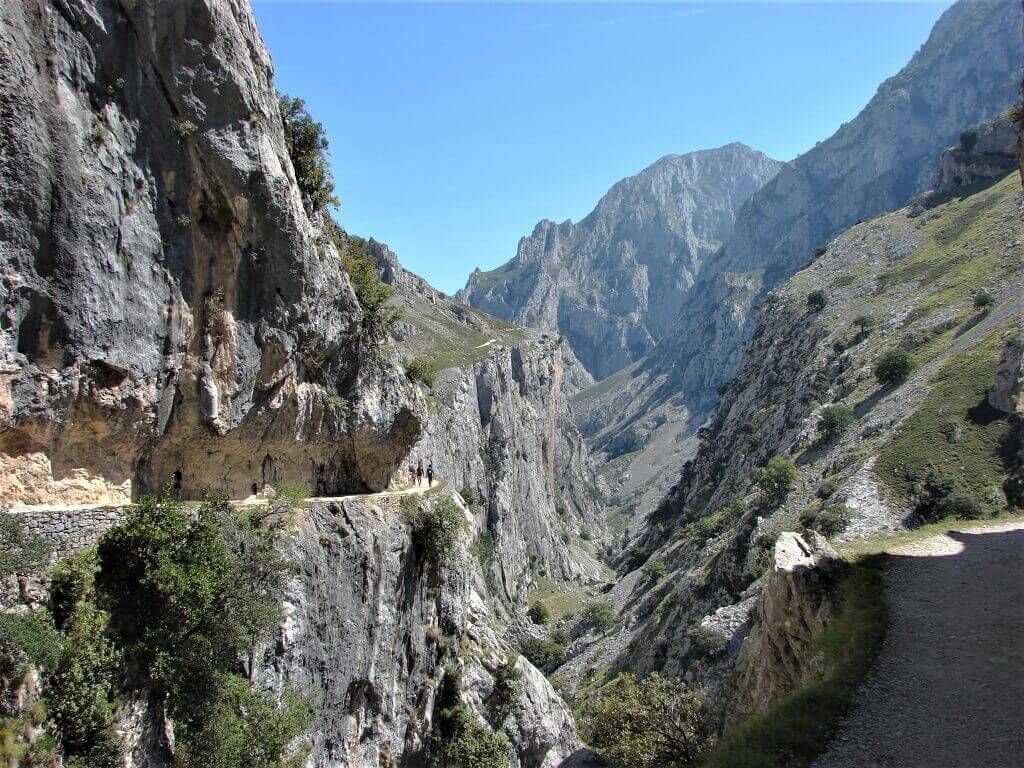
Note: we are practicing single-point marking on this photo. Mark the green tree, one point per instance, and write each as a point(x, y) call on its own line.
point(835, 420)
point(539, 613)
point(436, 526)
point(189, 595)
point(776, 480)
point(656, 722)
point(20, 552)
point(894, 366)
point(599, 614)
point(653, 571)
point(307, 146)
point(983, 299)
point(816, 300)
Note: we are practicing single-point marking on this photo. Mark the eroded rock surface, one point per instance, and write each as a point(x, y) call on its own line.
point(171, 311)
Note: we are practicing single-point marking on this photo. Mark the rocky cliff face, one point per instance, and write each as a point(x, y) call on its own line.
point(966, 72)
point(501, 428)
point(612, 283)
point(170, 310)
point(984, 151)
point(373, 629)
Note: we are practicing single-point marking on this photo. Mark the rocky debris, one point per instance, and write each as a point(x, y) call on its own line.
point(794, 607)
point(731, 622)
point(983, 152)
point(171, 309)
point(968, 71)
point(870, 513)
point(612, 282)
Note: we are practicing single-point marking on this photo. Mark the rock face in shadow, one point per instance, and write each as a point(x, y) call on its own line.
point(612, 282)
point(171, 311)
point(794, 608)
point(983, 152)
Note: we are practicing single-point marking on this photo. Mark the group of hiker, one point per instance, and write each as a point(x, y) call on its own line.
point(416, 473)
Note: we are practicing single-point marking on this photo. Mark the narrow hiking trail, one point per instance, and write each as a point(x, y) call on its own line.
point(947, 690)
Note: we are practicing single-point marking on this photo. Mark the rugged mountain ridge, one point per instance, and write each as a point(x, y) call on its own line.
point(967, 71)
point(612, 283)
point(908, 280)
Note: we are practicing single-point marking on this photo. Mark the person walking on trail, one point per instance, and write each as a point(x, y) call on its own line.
point(430, 474)
point(419, 472)
point(412, 474)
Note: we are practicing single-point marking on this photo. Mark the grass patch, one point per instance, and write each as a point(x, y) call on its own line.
point(957, 399)
point(796, 729)
point(559, 599)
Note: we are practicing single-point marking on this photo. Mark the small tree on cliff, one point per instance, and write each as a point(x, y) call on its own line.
point(307, 146)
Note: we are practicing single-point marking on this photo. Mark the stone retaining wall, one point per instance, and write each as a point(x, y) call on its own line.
point(69, 530)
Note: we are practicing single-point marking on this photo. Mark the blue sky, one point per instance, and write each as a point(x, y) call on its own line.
point(455, 127)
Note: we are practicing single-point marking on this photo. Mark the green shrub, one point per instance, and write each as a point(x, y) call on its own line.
point(508, 687)
point(816, 300)
point(472, 745)
point(79, 691)
point(307, 146)
point(371, 292)
point(653, 571)
point(893, 367)
point(865, 323)
point(656, 722)
point(826, 489)
point(599, 615)
point(983, 299)
point(436, 526)
point(189, 595)
point(20, 552)
point(32, 635)
point(832, 520)
point(468, 496)
point(835, 419)
point(539, 613)
point(184, 129)
point(707, 642)
point(419, 369)
point(545, 653)
point(776, 480)
point(292, 494)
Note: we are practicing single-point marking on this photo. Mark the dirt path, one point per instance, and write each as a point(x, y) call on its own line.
point(947, 690)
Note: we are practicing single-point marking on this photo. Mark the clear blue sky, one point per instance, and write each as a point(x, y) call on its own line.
point(455, 127)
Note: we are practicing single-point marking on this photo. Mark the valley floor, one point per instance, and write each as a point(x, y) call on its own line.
point(947, 688)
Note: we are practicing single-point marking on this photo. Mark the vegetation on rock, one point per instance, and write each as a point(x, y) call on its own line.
point(656, 722)
point(307, 146)
point(893, 367)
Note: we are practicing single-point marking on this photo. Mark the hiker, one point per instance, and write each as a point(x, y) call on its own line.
point(419, 472)
point(412, 474)
point(430, 473)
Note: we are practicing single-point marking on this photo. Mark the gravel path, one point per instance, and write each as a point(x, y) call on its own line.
point(948, 688)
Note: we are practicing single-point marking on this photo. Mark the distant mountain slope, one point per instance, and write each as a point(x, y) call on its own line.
point(612, 283)
point(967, 71)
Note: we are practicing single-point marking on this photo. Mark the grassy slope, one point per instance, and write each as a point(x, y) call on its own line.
point(967, 245)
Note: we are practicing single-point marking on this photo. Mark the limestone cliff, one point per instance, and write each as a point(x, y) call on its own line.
point(501, 429)
point(171, 311)
point(612, 283)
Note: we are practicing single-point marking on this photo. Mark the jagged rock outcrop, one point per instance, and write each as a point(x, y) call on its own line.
point(795, 606)
point(612, 282)
point(170, 308)
point(501, 427)
point(372, 628)
point(969, 70)
point(983, 152)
